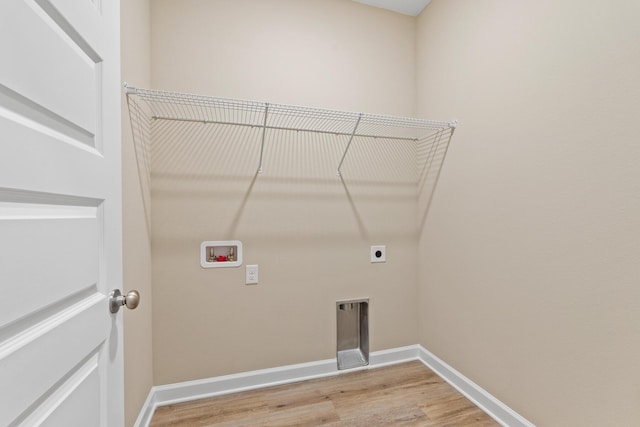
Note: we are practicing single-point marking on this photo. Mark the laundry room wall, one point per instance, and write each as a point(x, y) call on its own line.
point(308, 230)
point(135, 49)
point(529, 255)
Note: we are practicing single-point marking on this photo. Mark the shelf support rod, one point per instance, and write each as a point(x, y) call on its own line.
point(128, 89)
point(349, 144)
point(264, 132)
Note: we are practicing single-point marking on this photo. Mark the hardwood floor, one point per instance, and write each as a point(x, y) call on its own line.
point(409, 394)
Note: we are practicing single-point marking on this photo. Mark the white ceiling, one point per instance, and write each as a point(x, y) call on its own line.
point(407, 7)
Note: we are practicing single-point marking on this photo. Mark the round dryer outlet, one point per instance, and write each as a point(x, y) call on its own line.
point(378, 253)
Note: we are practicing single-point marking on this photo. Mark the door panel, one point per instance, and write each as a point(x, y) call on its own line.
point(36, 251)
point(60, 213)
point(37, 156)
point(53, 71)
point(59, 344)
point(61, 410)
point(80, 20)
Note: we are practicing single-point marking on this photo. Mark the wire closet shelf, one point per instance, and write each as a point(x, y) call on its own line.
point(174, 106)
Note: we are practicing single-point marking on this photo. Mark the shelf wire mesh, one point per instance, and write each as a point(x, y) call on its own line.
point(166, 105)
point(148, 107)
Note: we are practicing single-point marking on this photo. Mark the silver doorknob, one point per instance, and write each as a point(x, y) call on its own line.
point(117, 300)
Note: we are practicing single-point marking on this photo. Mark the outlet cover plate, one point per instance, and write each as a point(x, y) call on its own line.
point(252, 275)
point(378, 253)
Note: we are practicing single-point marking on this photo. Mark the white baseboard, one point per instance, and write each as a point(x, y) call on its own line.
point(479, 396)
point(200, 389)
point(147, 410)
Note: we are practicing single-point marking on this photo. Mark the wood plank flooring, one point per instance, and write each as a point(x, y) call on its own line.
point(408, 394)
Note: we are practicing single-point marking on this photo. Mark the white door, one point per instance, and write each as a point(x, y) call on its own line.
point(60, 213)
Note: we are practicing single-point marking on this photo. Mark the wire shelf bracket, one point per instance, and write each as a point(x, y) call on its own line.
point(355, 128)
point(264, 133)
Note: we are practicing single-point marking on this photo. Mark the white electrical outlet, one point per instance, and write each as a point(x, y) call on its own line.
point(378, 253)
point(252, 275)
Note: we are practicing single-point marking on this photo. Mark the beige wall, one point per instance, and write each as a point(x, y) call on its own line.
point(529, 260)
point(309, 233)
point(138, 359)
point(320, 53)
